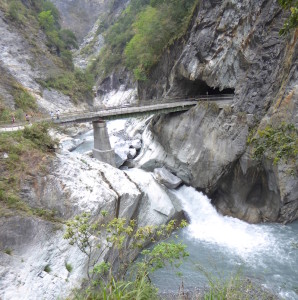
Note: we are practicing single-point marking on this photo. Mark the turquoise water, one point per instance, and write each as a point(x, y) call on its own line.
point(267, 253)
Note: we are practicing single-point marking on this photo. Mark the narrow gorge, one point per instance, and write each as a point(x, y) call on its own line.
point(229, 168)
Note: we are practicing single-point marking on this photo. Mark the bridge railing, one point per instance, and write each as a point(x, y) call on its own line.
point(121, 109)
point(149, 102)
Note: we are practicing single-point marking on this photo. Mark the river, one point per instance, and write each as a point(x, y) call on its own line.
point(224, 246)
point(266, 253)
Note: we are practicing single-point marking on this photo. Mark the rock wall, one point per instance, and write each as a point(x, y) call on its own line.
point(231, 46)
point(72, 184)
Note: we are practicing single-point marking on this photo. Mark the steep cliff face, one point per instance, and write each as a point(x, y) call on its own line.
point(80, 16)
point(231, 47)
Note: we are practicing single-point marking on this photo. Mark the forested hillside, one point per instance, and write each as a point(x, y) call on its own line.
point(138, 38)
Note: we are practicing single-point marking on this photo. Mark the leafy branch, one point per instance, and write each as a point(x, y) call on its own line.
point(122, 240)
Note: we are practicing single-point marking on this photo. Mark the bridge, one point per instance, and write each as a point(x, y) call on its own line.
point(102, 148)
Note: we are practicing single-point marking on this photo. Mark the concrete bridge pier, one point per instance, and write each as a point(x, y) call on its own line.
point(102, 148)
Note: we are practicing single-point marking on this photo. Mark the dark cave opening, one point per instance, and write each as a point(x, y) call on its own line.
point(200, 87)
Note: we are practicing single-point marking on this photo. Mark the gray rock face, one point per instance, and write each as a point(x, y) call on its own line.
point(35, 244)
point(119, 89)
point(196, 145)
point(230, 47)
point(74, 184)
point(80, 15)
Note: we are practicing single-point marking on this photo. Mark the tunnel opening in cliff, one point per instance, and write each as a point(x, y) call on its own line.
point(199, 87)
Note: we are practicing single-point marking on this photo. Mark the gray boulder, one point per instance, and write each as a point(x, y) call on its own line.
point(163, 176)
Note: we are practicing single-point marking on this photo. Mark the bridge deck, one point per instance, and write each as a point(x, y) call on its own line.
point(128, 111)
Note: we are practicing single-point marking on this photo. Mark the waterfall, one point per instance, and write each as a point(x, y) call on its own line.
point(207, 225)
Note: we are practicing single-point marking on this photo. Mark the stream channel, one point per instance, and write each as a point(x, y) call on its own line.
point(224, 246)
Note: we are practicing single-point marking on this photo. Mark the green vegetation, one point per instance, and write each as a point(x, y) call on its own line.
point(44, 14)
point(292, 21)
point(16, 10)
point(47, 268)
point(62, 41)
point(235, 288)
point(6, 114)
point(68, 267)
point(141, 34)
point(107, 279)
point(22, 152)
point(38, 134)
point(24, 101)
point(277, 143)
point(37, 15)
point(8, 251)
point(78, 85)
point(45, 214)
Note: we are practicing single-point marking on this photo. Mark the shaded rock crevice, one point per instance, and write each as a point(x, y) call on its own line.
point(251, 194)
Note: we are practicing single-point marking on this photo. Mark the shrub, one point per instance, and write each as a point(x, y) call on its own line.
point(24, 101)
point(69, 39)
point(24, 155)
point(277, 143)
point(45, 213)
point(49, 6)
point(66, 56)
point(77, 85)
point(5, 114)
point(292, 21)
point(54, 41)
point(121, 239)
point(38, 134)
point(15, 10)
point(68, 267)
point(46, 20)
point(8, 251)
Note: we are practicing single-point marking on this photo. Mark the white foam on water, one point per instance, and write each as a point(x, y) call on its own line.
point(207, 225)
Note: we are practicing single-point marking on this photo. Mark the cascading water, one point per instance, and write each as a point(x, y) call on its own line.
point(267, 253)
point(224, 245)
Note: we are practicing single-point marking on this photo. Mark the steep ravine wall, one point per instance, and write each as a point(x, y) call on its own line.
point(231, 45)
point(80, 16)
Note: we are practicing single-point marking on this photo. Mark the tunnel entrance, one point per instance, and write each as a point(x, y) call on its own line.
point(200, 87)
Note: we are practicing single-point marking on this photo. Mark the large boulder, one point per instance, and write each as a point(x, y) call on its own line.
point(163, 176)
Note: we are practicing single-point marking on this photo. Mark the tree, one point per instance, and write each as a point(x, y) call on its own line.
point(123, 241)
point(49, 6)
point(46, 20)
